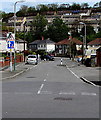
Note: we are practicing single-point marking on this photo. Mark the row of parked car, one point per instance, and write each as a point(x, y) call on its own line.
point(33, 59)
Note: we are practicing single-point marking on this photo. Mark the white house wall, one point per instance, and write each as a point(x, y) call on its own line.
point(18, 46)
point(50, 47)
point(3, 46)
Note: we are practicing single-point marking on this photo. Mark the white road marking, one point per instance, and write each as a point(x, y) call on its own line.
point(85, 93)
point(67, 93)
point(72, 72)
point(44, 80)
point(17, 93)
point(33, 67)
point(39, 91)
point(89, 82)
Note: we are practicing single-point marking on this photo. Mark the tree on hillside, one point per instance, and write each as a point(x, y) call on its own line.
point(57, 30)
point(42, 8)
point(39, 26)
point(52, 7)
point(84, 5)
point(31, 10)
point(75, 6)
point(23, 11)
point(89, 32)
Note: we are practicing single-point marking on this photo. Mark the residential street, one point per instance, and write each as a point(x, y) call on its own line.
point(50, 90)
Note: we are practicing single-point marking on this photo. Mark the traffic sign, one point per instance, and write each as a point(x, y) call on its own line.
point(10, 41)
point(10, 44)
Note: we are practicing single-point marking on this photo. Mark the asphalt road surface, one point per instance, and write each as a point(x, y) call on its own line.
point(49, 91)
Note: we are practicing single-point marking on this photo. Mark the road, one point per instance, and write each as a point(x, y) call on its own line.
point(49, 90)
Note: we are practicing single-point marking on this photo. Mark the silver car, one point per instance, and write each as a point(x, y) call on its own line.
point(31, 59)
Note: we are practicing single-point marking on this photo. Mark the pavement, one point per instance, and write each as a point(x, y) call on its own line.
point(19, 69)
point(90, 75)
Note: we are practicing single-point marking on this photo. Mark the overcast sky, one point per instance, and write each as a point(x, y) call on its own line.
point(8, 5)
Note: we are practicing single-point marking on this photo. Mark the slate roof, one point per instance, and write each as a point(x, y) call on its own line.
point(97, 41)
point(34, 42)
point(67, 41)
point(42, 42)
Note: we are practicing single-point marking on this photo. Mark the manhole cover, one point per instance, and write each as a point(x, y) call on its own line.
point(62, 98)
point(30, 77)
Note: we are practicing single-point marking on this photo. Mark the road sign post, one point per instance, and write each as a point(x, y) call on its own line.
point(10, 45)
point(11, 60)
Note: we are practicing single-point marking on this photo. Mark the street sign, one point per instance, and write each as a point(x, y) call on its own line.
point(10, 41)
point(10, 44)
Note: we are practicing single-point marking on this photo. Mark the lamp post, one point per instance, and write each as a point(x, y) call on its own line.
point(85, 34)
point(15, 24)
point(84, 41)
point(82, 48)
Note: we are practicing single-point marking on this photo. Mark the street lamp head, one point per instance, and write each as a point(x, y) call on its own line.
point(20, 1)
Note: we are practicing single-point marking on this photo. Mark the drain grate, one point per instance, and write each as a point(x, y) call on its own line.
point(62, 98)
point(30, 77)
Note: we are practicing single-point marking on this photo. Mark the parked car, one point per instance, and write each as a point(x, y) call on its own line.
point(87, 62)
point(47, 57)
point(32, 59)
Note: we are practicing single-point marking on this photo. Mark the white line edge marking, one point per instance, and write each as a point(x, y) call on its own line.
point(40, 89)
point(90, 82)
point(72, 72)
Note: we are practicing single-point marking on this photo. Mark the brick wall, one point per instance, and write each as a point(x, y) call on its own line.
point(6, 62)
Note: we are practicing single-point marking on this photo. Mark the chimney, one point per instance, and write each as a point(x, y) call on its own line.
point(70, 37)
point(42, 38)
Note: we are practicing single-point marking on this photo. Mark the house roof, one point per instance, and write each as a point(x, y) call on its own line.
point(97, 41)
point(42, 42)
point(67, 41)
point(46, 41)
point(34, 42)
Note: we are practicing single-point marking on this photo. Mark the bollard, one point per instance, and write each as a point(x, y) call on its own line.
point(61, 61)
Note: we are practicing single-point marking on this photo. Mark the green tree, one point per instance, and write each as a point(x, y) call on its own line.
point(7, 28)
point(42, 8)
point(89, 32)
point(39, 26)
point(75, 6)
point(31, 10)
point(84, 5)
point(23, 11)
point(57, 30)
point(53, 7)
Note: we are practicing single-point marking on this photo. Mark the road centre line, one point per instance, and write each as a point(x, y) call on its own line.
point(72, 72)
